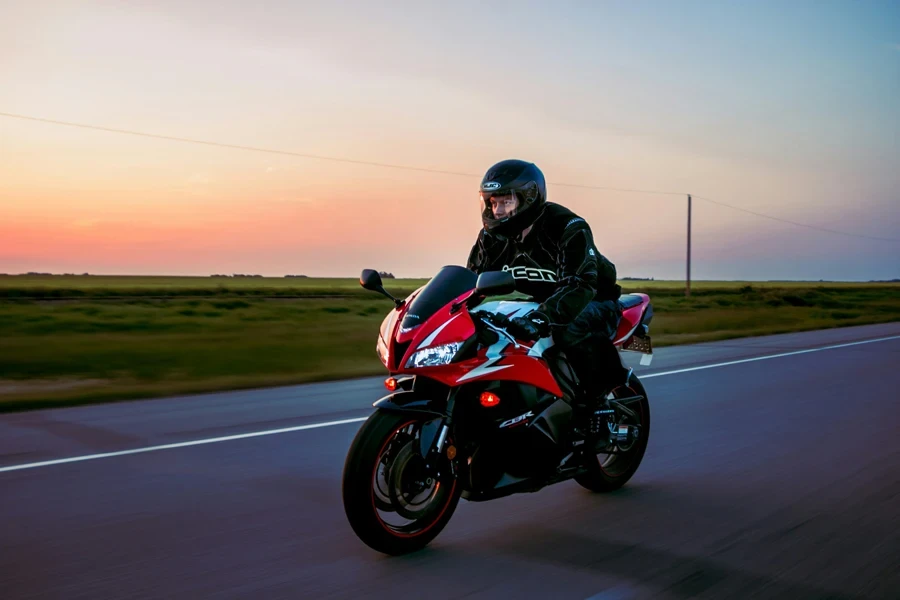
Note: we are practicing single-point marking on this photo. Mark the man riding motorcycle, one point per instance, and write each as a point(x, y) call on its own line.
point(551, 253)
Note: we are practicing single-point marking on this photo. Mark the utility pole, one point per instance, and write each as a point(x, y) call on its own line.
point(687, 290)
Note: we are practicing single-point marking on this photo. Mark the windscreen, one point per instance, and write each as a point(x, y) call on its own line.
point(450, 282)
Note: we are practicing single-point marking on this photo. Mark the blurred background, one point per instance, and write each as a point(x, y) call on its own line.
point(786, 110)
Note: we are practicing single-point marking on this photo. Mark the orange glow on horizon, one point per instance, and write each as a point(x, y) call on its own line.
point(83, 199)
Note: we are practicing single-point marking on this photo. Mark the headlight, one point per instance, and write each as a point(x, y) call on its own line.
point(433, 357)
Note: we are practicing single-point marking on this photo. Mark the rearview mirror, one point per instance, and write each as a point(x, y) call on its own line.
point(495, 283)
point(371, 280)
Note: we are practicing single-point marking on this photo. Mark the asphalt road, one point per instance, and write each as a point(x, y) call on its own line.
point(774, 478)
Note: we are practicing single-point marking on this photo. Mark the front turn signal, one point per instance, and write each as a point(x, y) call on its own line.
point(391, 384)
point(489, 399)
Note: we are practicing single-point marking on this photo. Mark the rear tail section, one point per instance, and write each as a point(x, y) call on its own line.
point(634, 328)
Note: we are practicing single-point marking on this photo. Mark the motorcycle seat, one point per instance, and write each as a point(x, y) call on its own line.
point(630, 300)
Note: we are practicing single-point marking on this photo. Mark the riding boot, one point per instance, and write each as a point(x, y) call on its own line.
point(605, 374)
point(591, 397)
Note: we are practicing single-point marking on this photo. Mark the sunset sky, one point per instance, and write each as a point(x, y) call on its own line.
point(791, 109)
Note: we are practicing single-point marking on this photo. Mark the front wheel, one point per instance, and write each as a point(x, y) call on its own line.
point(611, 469)
point(394, 502)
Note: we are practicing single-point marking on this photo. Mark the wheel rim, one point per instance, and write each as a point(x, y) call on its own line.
point(407, 502)
point(381, 488)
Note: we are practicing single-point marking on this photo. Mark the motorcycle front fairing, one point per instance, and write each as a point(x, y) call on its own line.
point(436, 349)
point(515, 440)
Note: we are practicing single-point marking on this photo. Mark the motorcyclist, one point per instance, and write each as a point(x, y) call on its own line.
point(551, 253)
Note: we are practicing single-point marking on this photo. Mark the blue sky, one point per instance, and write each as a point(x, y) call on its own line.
point(789, 109)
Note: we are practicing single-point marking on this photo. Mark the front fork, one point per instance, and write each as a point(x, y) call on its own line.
point(434, 448)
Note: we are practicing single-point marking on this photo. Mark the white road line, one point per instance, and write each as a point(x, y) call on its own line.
point(227, 438)
point(241, 436)
point(746, 360)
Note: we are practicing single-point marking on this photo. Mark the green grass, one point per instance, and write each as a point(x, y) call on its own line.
point(96, 348)
point(99, 286)
point(111, 286)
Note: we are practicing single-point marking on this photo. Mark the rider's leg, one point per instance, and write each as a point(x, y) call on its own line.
point(596, 361)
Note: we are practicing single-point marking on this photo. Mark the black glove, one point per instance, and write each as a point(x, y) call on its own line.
point(532, 327)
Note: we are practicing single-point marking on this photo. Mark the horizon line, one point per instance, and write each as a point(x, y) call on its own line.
point(291, 276)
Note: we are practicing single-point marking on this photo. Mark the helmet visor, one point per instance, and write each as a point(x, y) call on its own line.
point(498, 206)
point(507, 207)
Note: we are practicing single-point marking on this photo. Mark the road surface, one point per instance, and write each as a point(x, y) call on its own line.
point(773, 471)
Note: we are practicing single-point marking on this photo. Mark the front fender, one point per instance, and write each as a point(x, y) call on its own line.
point(412, 402)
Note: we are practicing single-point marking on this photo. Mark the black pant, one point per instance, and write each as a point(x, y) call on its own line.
point(588, 344)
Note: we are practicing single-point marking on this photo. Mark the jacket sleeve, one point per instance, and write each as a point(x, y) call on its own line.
point(486, 251)
point(476, 258)
point(583, 272)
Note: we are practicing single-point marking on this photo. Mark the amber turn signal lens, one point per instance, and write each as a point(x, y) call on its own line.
point(391, 384)
point(489, 399)
point(451, 452)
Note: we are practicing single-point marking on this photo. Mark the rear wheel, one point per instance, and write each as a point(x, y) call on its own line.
point(394, 502)
point(618, 462)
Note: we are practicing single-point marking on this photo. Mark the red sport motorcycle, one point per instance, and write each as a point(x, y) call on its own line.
point(475, 413)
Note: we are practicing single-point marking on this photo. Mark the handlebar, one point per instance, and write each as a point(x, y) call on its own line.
point(497, 322)
point(496, 319)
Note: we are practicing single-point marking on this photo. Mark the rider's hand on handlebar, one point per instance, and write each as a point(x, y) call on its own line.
point(499, 319)
point(532, 327)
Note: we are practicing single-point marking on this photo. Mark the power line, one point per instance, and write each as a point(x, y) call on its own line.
point(858, 235)
point(612, 189)
point(232, 146)
point(412, 168)
point(306, 155)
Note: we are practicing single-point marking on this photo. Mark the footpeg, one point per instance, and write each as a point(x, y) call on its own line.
point(568, 462)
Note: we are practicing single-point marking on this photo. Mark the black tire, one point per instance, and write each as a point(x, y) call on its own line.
point(614, 471)
point(361, 504)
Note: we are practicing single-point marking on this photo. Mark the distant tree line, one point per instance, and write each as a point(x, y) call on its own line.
point(47, 274)
point(386, 275)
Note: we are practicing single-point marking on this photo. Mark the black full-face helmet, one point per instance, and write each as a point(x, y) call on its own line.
point(517, 179)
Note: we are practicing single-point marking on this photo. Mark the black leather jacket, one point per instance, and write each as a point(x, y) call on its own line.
point(557, 264)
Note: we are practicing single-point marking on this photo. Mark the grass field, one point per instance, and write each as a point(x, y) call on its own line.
point(48, 287)
point(69, 340)
point(98, 286)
